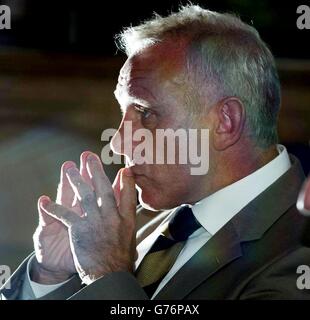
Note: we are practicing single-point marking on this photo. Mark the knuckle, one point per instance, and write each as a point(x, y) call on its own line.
point(88, 198)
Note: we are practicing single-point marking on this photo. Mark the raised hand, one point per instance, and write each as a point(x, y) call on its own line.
point(102, 240)
point(54, 261)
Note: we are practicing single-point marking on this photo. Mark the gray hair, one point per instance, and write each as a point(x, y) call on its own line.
point(225, 57)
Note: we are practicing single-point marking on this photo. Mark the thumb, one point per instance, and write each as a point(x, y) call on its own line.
point(44, 218)
point(128, 196)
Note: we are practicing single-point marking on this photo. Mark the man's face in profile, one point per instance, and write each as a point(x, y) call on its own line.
point(152, 95)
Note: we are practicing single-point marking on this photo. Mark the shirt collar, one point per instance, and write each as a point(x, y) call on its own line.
point(214, 211)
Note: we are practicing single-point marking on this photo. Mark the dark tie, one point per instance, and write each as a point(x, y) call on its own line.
point(165, 250)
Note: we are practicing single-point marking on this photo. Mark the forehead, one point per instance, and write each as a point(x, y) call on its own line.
point(161, 62)
point(153, 78)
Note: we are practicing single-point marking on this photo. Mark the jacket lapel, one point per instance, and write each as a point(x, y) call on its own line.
point(221, 249)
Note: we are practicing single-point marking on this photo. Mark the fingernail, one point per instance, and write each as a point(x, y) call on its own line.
point(68, 164)
point(84, 155)
point(44, 201)
point(72, 171)
point(92, 157)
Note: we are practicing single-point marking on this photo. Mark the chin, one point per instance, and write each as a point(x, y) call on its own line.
point(154, 201)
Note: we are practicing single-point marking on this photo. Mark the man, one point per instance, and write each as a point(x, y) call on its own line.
point(193, 69)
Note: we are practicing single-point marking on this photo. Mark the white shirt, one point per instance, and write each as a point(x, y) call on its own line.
point(212, 212)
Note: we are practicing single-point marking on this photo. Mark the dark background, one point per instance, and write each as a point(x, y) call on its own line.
point(88, 27)
point(58, 70)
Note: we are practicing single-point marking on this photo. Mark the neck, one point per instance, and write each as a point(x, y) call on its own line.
point(233, 166)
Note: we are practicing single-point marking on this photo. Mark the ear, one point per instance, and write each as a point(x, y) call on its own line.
point(230, 115)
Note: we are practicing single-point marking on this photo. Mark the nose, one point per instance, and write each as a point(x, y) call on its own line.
point(121, 142)
point(116, 144)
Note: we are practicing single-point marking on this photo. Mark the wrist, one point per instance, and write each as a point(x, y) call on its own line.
point(92, 274)
point(42, 275)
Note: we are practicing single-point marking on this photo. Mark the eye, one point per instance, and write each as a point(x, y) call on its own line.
point(148, 117)
point(145, 112)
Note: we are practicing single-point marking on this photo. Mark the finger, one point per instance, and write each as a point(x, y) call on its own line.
point(117, 186)
point(65, 193)
point(84, 174)
point(83, 167)
point(100, 181)
point(44, 218)
point(303, 202)
point(59, 212)
point(84, 192)
point(128, 198)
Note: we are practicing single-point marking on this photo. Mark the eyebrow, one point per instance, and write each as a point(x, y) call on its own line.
point(132, 100)
point(135, 96)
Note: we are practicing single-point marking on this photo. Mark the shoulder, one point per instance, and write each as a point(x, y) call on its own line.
point(283, 260)
point(287, 277)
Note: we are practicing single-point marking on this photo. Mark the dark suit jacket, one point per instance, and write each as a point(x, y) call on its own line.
point(254, 256)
